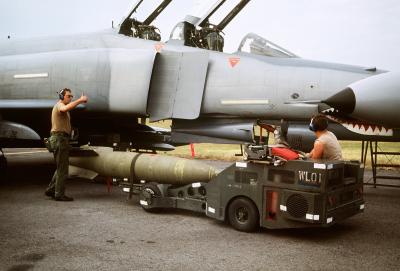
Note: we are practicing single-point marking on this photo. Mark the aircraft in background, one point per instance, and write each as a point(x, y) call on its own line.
point(210, 96)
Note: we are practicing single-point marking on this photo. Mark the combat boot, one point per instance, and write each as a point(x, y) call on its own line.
point(63, 198)
point(50, 193)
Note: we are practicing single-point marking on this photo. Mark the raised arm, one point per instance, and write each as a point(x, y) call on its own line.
point(67, 107)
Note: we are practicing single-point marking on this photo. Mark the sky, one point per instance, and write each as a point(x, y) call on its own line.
point(359, 32)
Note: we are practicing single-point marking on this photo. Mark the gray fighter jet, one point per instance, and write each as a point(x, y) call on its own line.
point(209, 95)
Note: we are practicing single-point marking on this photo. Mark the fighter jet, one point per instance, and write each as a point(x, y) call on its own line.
point(210, 96)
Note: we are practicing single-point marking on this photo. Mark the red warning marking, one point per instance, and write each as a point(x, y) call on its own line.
point(233, 61)
point(192, 150)
point(158, 47)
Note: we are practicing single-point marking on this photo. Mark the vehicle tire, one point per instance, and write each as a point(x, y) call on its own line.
point(147, 195)
point(243, 215)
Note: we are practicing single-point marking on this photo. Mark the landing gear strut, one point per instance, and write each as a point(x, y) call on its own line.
point(3, 166)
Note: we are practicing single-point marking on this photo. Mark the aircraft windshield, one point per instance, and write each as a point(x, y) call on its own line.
point(254, 44)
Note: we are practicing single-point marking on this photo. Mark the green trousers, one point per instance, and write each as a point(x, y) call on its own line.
point(60, 147)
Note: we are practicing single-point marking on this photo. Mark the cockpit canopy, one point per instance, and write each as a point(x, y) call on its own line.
point(254, 44)
point(206, 37)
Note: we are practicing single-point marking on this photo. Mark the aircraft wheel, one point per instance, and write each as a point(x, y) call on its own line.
point(147, 195)
point(243, 215)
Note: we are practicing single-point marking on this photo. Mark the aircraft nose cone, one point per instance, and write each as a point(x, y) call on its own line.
point(344, 101)
point(375, 99)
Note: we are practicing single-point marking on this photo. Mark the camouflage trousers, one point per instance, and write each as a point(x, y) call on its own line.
point(59, 144)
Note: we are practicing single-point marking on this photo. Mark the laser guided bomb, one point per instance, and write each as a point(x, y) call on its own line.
point(144, 166)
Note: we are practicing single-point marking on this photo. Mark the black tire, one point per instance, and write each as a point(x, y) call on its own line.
point(147, 195)
point(243, 215)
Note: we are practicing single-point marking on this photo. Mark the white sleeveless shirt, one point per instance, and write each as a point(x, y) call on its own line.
point(332, 149)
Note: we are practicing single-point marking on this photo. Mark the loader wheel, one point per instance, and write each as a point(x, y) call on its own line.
point(243, 215)
point(147, 195)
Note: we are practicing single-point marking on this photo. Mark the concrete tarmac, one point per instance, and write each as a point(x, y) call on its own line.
point(104, 231)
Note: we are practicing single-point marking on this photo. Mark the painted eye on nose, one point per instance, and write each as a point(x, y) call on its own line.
point(295, 95)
